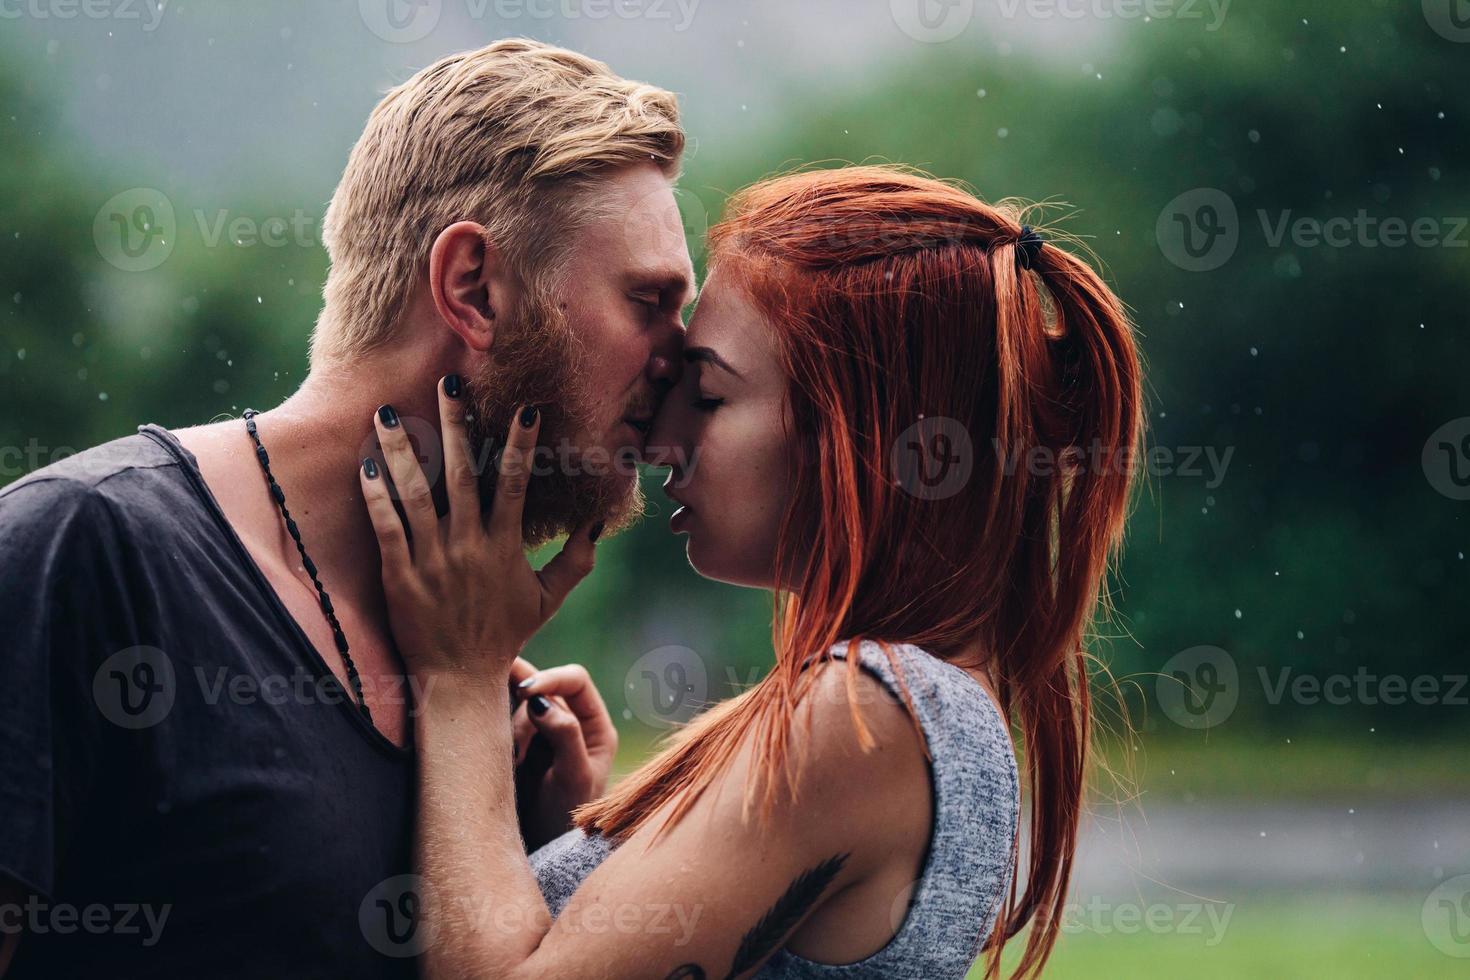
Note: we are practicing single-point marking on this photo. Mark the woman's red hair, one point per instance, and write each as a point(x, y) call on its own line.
point(903, 315)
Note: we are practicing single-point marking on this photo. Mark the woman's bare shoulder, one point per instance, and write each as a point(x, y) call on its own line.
point(882, 787)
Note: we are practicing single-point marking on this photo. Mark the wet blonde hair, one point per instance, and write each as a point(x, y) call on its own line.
point(504, 136)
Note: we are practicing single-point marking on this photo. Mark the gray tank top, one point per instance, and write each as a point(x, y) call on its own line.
point(967, 871)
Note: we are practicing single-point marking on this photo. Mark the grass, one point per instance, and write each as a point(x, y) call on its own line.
point(1343, 937)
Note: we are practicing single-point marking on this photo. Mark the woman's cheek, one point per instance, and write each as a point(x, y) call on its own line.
point(764, 486)
point(741, 500)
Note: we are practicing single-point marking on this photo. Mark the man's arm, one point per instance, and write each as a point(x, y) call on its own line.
point(63, 604)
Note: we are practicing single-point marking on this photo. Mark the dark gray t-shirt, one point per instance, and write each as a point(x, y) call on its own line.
point(185, 789)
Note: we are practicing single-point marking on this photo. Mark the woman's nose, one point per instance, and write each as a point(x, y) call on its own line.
point(661, 448)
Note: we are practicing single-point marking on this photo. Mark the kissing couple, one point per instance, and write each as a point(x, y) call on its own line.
point(502, 341)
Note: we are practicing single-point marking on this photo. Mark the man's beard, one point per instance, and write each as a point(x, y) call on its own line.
point(537, 361)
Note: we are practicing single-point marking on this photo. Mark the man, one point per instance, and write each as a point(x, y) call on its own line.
point(203, 768)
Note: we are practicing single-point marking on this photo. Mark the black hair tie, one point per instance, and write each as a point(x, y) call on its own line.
point(1028, 245)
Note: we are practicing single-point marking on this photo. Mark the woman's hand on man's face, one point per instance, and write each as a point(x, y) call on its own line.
point(462, 598)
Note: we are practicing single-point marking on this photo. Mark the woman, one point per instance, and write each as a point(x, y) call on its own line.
point(896, 395)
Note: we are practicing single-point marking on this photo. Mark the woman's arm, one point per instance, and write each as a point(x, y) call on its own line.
point(713, 897)
point(716, 895)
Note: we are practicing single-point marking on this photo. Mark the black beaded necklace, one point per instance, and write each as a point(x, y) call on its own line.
point(280, 498)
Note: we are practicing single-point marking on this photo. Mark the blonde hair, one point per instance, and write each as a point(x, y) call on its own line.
point(504, 136)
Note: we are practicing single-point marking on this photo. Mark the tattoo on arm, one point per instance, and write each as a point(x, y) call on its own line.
point(766, 935)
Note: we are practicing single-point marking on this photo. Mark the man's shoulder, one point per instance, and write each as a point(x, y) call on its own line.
point(132, 475)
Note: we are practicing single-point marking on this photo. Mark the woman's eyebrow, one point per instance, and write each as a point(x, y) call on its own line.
point(707, 355)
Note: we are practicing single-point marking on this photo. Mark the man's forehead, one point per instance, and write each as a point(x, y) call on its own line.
point(634, 214)
point(671, 275)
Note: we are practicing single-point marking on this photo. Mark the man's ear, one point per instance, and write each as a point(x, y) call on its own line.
point(471, 282)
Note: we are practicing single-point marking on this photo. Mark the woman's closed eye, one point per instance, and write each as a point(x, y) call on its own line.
point(706, 404)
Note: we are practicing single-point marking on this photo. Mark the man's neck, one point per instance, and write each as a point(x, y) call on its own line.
point(316, 440)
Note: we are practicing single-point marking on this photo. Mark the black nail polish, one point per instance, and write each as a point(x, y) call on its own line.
point(596, 531)
point(369, 468)
point(451, 385)
point(539, 705)
point(527, 682)
point(389, 417)
point(528, 416)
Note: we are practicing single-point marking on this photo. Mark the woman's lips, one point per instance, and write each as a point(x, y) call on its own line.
point(679, 519)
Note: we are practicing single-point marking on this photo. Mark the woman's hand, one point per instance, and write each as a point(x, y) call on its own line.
point(565, 743)
point(462, 598)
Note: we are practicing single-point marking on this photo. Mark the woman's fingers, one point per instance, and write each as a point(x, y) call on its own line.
point(516, 460)
point(564, 731)
point(573, 686)
point(572, 564)
point(392, 544)
point(413, 490)
point(461, 482)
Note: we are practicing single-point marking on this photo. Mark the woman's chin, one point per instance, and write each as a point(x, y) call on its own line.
point(682, 522)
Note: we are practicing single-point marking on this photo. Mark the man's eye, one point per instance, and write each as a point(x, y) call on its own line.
point(708, 404)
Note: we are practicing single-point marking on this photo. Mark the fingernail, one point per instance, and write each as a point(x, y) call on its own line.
point(451, 385)
point(528, 416)
point(596, 531)
point(539, 705)
point(389, 417)
point(369, 468)
point(527, 682)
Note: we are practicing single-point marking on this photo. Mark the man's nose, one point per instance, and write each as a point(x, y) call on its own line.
point(663, 374)
point(666, 362)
